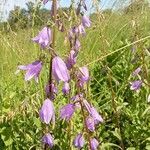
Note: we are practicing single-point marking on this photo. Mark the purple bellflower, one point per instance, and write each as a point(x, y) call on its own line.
point(136, 71)
point(93, 112)
point(79, 141)
point(32, 70)
point(135, 85)
point(47, 112)
point(94, 144)
point(67, 111)
point(90, 123)
point(81, 30)
point(77, 45)
point(83, 75)
point(86, 21)
point(59, 70)
point(44, 37)
point(48, 139)
point(66, 88)
point(71, 61)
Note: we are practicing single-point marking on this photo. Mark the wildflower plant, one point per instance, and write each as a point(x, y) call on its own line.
point(66, 72)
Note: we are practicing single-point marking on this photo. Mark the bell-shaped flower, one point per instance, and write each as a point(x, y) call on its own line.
point(51, 90)
point(83, 75)
point(44, 38)
point(90, 123)
point(93, 112)
point(67, 111)
point(47, 113)
point(86, 21)
point(94, 144)
point(66, 88)
point(136, 71)
point(71, 61)
point(59, 70)
point(79, 141)
point(136, 85)
point(48, 139)
point(77, 45)
point(32, 70)
point(81, 30)
point(96, 116)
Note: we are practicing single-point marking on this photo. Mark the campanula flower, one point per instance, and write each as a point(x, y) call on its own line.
point(79, 141)
point(93, 112)
point(66, 88)
point(77, 45)
point(67, 111)
point(94, 144)
point(59, 70)
point(32, 70)
point(135, 85)
point(86, 21)
point(44, 38)
point(48, 139)
point(136, 71)
point(81, 30)
point(71, 60)
point(90, 123)
point(47, 112)
point(83, 75)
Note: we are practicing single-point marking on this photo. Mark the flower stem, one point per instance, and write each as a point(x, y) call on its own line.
point(85, 126)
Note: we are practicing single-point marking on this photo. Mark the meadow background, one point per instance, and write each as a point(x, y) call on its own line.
point(117, 43)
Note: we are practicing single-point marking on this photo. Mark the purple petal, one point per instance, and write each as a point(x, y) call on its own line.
point(79, 141)
point(67, 111)
point(90, 123)
point(48, 139)
point(136, 85)
point(59, 70)
point(86, 21)
point(94, 144)
point(47, 112)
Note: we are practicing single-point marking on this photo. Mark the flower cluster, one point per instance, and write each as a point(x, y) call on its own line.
point(61, 71)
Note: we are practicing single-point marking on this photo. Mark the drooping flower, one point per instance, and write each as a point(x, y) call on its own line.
point(77, 45)
point(79, 141)
point(59, 70)
point(67, 111)
point(90, 123)
point(32, 70)
point(71, 61)
point(47, 112)
point(93, 112)
point(83, 75)
point(81, 30)
point(53, 89)
point(44, 37)
point(135, 85)
point(136, 71)
point(66, 88)
point(94, 144)
point(48, 139)
point(86, 21)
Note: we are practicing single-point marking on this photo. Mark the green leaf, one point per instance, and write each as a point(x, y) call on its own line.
point(130, 148)
point(107, 145)
point(116, 133)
